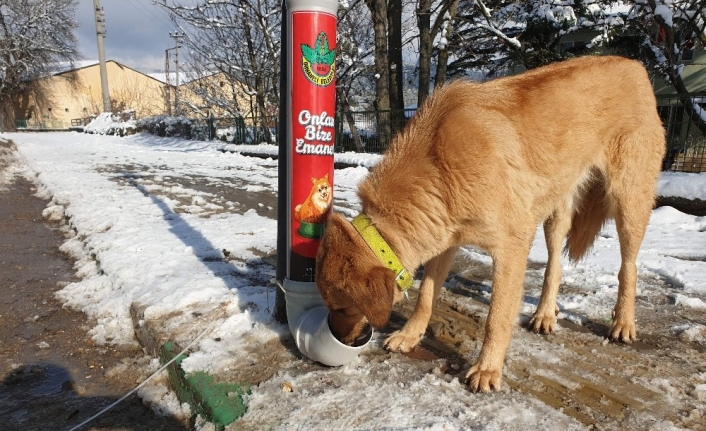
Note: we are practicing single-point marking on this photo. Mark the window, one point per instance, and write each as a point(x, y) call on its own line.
point(66, 109)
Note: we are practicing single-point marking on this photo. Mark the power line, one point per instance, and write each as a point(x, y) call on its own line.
point(149, 15)
point(163, 11)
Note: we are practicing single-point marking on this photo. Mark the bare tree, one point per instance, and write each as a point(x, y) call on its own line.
point(396, 65)
point(133, 94)
point(35, 36)
point(444, 27)
point(378, 12)
point(435, 24)
point(238, 39)
point(354, 63)
point(425, 48)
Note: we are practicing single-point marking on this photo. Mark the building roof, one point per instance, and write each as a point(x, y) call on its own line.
point(72, 67)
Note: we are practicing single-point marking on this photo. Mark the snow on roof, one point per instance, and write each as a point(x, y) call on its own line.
point(64, 67)
point(170, 78)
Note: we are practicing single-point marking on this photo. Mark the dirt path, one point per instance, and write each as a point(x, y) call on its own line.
point(52, 376)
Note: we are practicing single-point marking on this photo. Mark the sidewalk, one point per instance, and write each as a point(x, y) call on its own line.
point(52, 375)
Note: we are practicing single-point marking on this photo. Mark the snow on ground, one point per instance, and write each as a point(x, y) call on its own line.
point(142, 232)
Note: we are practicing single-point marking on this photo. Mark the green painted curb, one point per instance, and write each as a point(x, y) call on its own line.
point(218, 403)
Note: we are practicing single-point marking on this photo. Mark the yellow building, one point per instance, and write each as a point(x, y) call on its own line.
point(207, 94)
point(55, 101)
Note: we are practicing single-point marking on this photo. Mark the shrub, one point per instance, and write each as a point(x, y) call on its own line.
point(120, 124)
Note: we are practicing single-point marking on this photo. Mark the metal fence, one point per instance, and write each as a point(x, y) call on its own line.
point(683, 116)
point(240, 130)
point(684, 119)
point(24, 124)
point(369, 131)
point(362, 131)
point(80, 122)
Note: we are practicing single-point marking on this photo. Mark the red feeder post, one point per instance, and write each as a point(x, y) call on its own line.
point(307, 138)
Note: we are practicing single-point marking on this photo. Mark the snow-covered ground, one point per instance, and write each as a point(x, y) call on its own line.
point(154, 221)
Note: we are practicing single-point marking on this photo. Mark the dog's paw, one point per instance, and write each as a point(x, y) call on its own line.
point(544, 323)
point(484, 380)
point(400, 341)
point(623, 331)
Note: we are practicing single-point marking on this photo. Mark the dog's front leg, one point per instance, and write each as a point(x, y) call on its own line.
point(509, 267)
point(435, 272)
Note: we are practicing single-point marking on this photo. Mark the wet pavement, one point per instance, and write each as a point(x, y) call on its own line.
point(52, 375)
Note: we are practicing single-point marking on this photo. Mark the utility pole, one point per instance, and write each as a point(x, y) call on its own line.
point(100, 35)
point(177, 40)
point(168, 81)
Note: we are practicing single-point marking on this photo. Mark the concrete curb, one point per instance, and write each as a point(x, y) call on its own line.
point(218, 403)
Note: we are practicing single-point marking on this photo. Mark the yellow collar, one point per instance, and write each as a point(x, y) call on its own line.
point(383, 251)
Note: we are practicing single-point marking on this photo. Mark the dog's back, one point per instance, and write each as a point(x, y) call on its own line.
point(478, 156)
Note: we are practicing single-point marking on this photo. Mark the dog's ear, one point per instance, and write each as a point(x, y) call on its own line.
point(368, 285)
point(376, 296)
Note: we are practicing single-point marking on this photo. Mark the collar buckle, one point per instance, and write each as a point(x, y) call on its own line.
point(404, 282)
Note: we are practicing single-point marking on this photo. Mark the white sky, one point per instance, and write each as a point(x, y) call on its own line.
point(144, 234)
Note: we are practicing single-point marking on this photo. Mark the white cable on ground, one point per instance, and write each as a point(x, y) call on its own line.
point(145, 381)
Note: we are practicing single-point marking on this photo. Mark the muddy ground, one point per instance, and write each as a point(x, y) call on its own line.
point(52, 375)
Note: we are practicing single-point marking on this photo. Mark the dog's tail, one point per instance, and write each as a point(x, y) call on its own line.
point(590, 214)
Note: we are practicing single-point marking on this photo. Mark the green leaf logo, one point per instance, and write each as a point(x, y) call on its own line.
point(320, 53)
point(318, 62)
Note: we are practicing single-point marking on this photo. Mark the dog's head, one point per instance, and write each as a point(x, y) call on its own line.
point(357, 288)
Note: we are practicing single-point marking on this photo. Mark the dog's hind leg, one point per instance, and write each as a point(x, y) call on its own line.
point(631, 218)
point(555, 229)
point(632, 195)
point(509, 266)
point(435, 272)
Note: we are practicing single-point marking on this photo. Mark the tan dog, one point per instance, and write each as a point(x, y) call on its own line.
point(570, 145)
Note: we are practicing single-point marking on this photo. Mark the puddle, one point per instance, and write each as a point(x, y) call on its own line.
point(52, 380)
